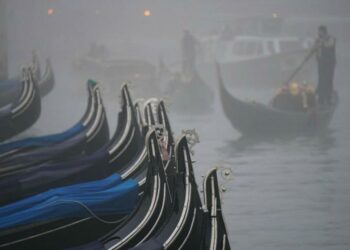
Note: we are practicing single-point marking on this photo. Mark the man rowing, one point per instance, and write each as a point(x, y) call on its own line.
point(326, 60)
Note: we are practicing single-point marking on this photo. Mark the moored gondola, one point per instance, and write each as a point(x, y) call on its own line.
point(194, 225)
point(92, 137)
point(153, 211)
point(57, 234)
point(24, 145)
point(256, 119)
point(190, 94)
point(185, 227)
point(10, 90)
point(216, 235)
point(131, 152)
point(48, 220)
point(47, 81)
point(22, 113)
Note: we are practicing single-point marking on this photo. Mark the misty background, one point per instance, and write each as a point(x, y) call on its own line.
point(285, 194)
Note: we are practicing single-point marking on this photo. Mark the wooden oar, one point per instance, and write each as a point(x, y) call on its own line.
point(306, 59)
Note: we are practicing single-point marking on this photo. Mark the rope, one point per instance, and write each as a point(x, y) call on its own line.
point(90, 211)
point(306, 59)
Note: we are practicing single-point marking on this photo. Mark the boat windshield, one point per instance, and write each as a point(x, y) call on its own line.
point(247, 48)
point(291, 45)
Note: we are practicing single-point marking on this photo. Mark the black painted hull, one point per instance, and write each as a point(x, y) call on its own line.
point(23, 113)
point(255, 119)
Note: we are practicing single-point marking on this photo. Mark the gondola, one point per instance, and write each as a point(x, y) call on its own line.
point(259, 120)
point(57, 235)
point(58, 214)
point(153, 211)
point(185, 228)
point(204, 226)
point(47, 81)
point(94, 136)
point(148, 120)
point(216, 234)
point(190, 95)
point(151, 219)
point(155, 206)
point(126, 154)
point(22, 113)
point(24, 145)
point(10, 89)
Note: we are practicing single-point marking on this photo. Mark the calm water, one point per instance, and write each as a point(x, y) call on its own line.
point(285, 194)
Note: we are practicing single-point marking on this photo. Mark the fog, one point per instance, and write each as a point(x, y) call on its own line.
point(285, 194)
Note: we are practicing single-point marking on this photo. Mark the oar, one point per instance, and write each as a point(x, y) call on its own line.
point(306, 59)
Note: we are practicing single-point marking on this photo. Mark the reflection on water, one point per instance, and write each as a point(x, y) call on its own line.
point(286, 193)
point(321, 142)
point(283, 193)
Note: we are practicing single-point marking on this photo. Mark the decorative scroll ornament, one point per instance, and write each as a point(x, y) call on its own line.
point(226, 174)
point(192, 138)
point(167, 101)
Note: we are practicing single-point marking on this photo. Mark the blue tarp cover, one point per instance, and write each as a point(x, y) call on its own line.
point(10, 85)
point(51, 175)
point(41, 141)
point(102, 197)
point(45, 153)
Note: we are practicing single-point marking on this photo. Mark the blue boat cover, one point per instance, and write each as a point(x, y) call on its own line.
point(42, 154)
point(41, 141)
point(102, 197)
point(5, 111)
point(10, 91)
point(10, 85)
point(50, 175)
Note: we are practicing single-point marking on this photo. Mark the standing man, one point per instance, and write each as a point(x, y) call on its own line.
point(326, 60)
point(188, 47)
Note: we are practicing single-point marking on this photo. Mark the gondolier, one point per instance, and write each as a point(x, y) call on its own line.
point(188, 47)
point(326, 60)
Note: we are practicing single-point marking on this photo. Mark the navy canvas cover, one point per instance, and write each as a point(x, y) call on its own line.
point(41, 141)
point(10, 88)
point(102, 197)
point(50, 175)
point(45, 153)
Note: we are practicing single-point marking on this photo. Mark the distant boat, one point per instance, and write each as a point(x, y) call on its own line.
point(190, 95)
point(23, 111)
point(141, 73)
point(11, 89)
point(256, 60)
point(256, 119)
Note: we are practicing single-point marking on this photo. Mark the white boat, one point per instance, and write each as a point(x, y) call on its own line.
point(252, 60)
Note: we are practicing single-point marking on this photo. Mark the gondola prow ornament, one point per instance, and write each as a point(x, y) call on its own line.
point(192, 138)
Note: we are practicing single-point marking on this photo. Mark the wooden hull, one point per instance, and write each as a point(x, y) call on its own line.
point(10, 90)
point(191, 97)
point(256, 119)
point(47, 81)
point(92, 137)
point(23, 113)
point(216, 235)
